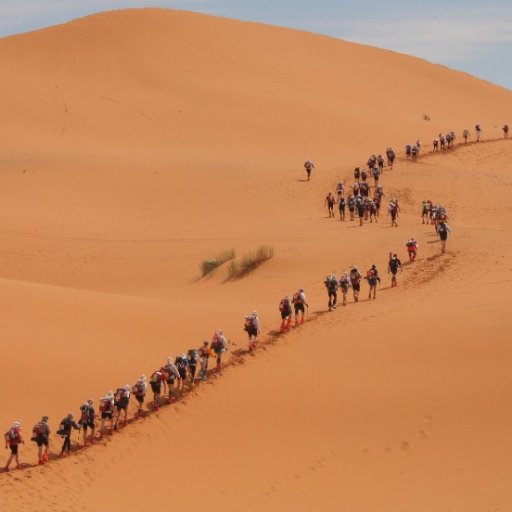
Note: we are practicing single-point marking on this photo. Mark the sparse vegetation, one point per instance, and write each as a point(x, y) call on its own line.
point(210, 264)
point(426, 117)
point(249, 262)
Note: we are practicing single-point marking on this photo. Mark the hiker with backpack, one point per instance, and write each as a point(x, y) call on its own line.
point(414, 153)
point(442, 230)
point(408, 150)
point(139, 390)
point(299, 301)
point(373, 278)
point(107, 411)
point(252, 328)
point(344, 285)
point(341, 207)
point(505, 131)
point(478, 131)
point(308, 165)
point(380, 163)
point(40, 435)
point(192, 360)
point(351, 203)
point(329, 202)
point(87, 420)
point(181, 363)
point(390, 154)
point(412, 249)
point(205, 352)
point(340, 189)
point(65, 428)
point(156, 379)
point(355, 280)
point(219, 346)
point(393, 210)
point(393, 266)
point(331, 284)
point(357, 174)
point(172, 377)
point(122, 400)
point(426, 211)
point(12, 441)
point(376, 175)
point(285, 308)
point(361, 209)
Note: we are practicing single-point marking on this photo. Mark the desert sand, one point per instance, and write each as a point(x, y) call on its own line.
point(136, 143)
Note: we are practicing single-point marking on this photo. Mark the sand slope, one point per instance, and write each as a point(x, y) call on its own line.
point(136, 143)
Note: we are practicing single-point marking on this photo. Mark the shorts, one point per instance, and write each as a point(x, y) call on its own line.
point(356, 286)
point(155, 387)
point(360, 212)
point(183, 373)
point(285, 314)
point(252, 331)
point(393, 215)
point(107, 415)
point(394, 272)
point(14, 449)
point(87, 423)
point(121, 407)
point(298, 307)
point(40, 440)
point(171, 380)
point(139, 398)
point(443, 236)
point(372, 282)
point(308, 171)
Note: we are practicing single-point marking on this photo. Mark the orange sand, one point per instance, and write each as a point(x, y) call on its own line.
point(136, 143)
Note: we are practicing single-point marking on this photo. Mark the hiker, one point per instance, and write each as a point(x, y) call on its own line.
point(331, 283)
point(373, 277)
point(442, 230)
point(139, 390)
point(252, 328)
point(435, 144)
point(376, 202)
point(122, 400)
point(364, 189)
point(308, 165)
point(299, 301)
point(156, 379)
point(357, 174)
point(66, 425)
point(355, 281)
point(341, 207)
point(87, 417)
point(408, 149)
point(172, 376)
point(393, 210)
point(414, 153)
point(205, 352)
point(390, 153)
point(40, 435)
point(376, 174)
point(380, 162)
point(364, 175)
point(361, 209)
point(478, 130)
point(426, 211)
point(340, 188)
point(219, 346)
point(285, 307)
point(412, 248)
point(107, 411)
point(465, 135)
point(344, 285)
point(372, 206)
point(329, 202)
point(393, 266)
point(12, 441)
point(192, 360)
point(351, 203)
point(442, 141)
point(505, 131)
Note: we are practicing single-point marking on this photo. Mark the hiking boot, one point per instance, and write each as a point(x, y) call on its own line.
point(45, 457)
point(41, 462)
point(18, 466)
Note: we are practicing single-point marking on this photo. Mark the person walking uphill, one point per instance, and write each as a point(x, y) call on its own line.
point(299, 301)
point(219, 346)
point(355, 280)
point(308, 165)
point(40, 435)
point(329, 202)
point(331, 283)
point(285, 308)
point(252, 328)
point(205, 352)
point(442, 230)
point(87, 417)
point(107, 411)
point(393, 266)
point(65, 429)
point(12, 441)
point(373, 277)
point(122, 400)
point(139, 390)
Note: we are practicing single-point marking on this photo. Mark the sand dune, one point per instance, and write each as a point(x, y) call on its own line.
point(136, 143)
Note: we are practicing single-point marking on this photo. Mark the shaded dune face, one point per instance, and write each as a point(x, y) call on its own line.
point(136, 143)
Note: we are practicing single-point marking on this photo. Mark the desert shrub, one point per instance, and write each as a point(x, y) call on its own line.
point(249, 262)
point(210, 264)
point(426, 117)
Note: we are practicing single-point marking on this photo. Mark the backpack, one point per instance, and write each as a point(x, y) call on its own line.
point(63, 428)
point(121, 396)
point(248, 324)
point(441, 228)
point(138, 389)
point(283, 306)
point(331, 283)
point(37, 430)
point(105, 405)
point(193, 356)
point(156, 377)
point(12, 435)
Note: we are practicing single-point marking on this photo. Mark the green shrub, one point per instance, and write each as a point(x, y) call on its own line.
point(250, 262)
point(209, 265)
